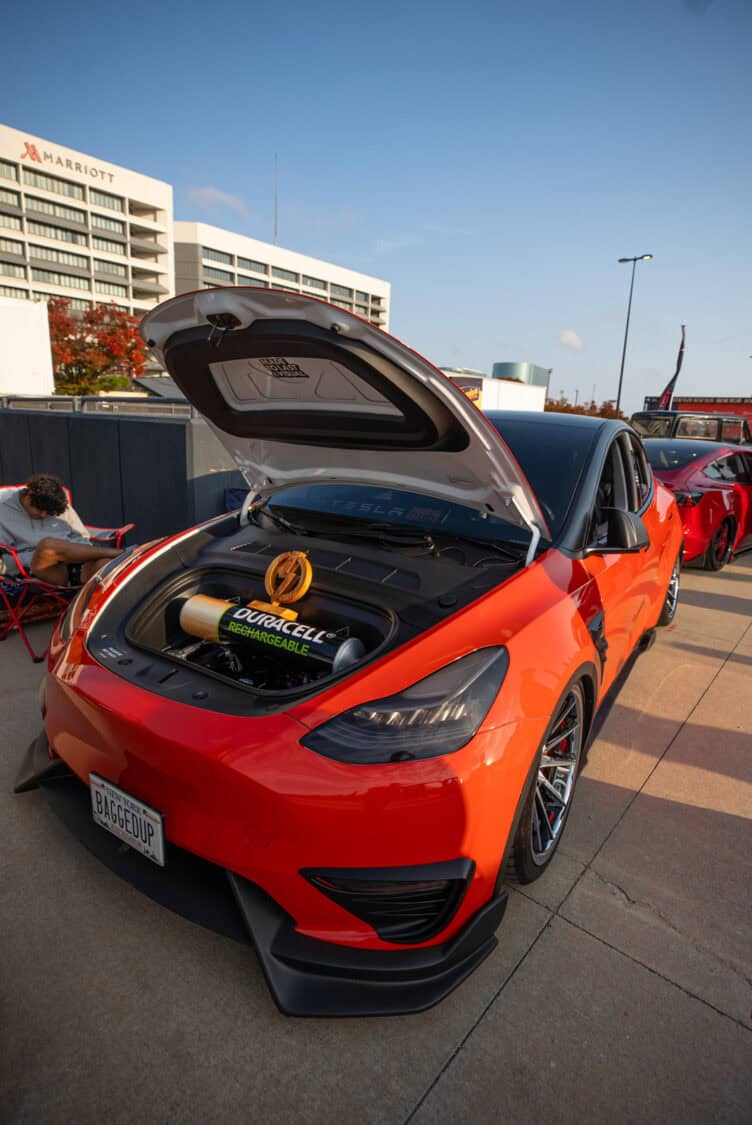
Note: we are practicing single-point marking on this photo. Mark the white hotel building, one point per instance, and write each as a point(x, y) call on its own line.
point(207, 257)
point(75, 226)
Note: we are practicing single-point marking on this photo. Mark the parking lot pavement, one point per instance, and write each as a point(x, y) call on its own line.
point(621, 989)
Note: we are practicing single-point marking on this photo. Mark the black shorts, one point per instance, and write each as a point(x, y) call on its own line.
point(74, 574)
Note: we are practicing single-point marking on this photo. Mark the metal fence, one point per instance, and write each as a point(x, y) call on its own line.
point(153, 462)
point(98, 404)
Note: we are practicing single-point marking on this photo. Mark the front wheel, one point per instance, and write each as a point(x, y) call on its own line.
point(671, 601)
point(549, 799)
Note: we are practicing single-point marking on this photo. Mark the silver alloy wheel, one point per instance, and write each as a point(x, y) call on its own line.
point(557, 772)
point(672, 593)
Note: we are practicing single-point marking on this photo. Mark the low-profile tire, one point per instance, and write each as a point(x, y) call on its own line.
point(671, 601)
point(720, 546)
point(551, 789)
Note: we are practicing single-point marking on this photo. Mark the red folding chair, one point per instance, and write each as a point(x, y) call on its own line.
point(25, 598)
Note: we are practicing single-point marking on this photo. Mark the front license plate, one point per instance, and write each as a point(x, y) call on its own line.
point(130, 820)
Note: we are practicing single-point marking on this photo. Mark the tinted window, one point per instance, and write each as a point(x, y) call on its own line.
point(729, 469)
point(552, 456)
point(674, 454)
point(648, 425)
point(611, 493)
point(639, 473)
point(697, 427)
point(731, 430)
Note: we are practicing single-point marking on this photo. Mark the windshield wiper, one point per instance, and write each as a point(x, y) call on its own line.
point(278, 521)
point(489, 544)
point(392, 535)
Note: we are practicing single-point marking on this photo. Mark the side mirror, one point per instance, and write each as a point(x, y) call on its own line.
point(626, 534)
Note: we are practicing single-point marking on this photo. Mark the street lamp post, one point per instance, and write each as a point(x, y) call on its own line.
point(634, 261)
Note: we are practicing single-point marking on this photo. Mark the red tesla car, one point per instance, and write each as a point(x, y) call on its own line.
point(712, 486)
point(358, 701)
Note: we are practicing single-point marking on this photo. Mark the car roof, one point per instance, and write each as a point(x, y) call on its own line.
point(553, 418)
point(725, 416)
point(701, 446)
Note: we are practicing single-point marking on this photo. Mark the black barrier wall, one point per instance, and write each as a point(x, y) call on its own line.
point(163, 474)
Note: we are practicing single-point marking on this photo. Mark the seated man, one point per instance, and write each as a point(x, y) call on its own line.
point(47, 534)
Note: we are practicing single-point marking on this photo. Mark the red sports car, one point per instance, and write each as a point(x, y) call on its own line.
point(712, 486)
point(362, 699)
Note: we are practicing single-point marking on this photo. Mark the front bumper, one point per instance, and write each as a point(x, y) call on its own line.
point(306, 977)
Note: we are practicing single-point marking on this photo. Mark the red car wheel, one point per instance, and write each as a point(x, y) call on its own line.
point(719, 550)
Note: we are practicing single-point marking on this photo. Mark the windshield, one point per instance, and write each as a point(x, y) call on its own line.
point(370, 505)
point(552, 455)
point(670, 455)
point(651, 425)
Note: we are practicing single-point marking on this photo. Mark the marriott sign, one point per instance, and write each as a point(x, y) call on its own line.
point(33, 155)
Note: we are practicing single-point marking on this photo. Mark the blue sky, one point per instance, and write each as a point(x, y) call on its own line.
point(491, 160)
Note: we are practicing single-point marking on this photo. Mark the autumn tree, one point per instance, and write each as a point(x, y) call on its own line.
point(562, 405)
point(96, 350)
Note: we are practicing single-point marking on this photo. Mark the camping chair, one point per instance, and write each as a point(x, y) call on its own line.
point(25, 598)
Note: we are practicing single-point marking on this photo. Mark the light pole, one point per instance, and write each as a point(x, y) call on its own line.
point(634, 261)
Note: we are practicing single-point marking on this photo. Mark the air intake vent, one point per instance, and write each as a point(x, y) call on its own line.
point(403, 904)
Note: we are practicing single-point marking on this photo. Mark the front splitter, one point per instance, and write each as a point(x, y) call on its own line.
point(306, 977)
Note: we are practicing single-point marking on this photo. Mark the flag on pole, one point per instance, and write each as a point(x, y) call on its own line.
point(664, 402)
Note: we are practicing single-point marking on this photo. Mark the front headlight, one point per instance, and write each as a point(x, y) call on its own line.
point(438, 715)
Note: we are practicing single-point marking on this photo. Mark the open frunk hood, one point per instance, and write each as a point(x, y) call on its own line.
point(302, 392)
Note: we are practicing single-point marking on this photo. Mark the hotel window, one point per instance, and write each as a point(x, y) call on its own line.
point(343, 304)
point(74, 302)
point(284, 275)
point(60, 279)
point(216, 255)
point(10, 197)
point(360, 296)
point(10, 291)
point(10, 246)
point(249, 264)
point(254, 281)
point(61, 257)
point(72, 214)
point(111, 287)
point(361, 310)
point(341, 291)
point(52, 183)
point(46, 231)
point(110, 267)
point(314, 282)
point(8, 171)
point(375, 300)
point(9, 269)
point(103, 223)
point(103, 199)
point(220, 275)
point(106, 244)
point(10, 222)
point(286, 288)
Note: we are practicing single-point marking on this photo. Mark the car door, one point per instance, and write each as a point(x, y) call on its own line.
point(743, 486)
point(625, 580)
point(731, 473)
